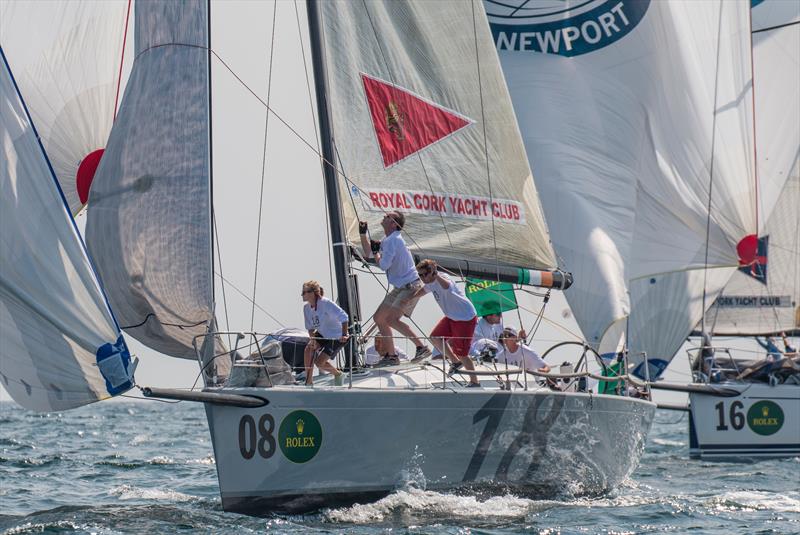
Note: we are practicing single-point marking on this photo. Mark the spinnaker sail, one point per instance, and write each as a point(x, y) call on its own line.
point(61, 347)
point(149, 229)
point(66, 58)
point(637, 121)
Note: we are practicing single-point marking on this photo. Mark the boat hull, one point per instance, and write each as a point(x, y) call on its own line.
point(358, 445)
point(761, 422)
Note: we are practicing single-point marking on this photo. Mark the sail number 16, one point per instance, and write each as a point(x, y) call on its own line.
point(735, 415)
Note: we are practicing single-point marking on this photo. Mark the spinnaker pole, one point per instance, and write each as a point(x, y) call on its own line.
point(338, 236)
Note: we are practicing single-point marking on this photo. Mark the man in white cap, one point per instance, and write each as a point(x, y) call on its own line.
point(513, 352)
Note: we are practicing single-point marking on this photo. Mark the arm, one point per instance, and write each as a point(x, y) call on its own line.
point(362, 231)
point(762, 344)
point(386, 256)
point(345, 334)
point(444, 283)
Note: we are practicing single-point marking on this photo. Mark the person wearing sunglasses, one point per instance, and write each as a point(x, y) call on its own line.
point(327, 326)
point(452, 336)
point(392, 256)
point(513, 352)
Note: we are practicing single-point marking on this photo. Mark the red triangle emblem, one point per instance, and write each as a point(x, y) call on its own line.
point(404, 122)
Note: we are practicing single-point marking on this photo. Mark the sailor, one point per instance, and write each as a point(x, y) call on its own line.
point(453, 334)
point(327, 330)
point(513, 352)
point(487, 332)
point(392, 256)
point(773, 353)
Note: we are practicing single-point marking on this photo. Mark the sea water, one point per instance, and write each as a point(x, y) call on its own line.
point(147, 467)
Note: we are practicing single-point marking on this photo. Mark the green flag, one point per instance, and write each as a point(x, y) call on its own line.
point(491, 297)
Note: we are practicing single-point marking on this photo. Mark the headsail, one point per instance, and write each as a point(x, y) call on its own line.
point(61, 347)
point(149, 229)
point(422, 123)
point(637, 120)
point(66, 59)
point(765, 297)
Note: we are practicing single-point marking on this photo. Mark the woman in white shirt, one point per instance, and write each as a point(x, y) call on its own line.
point(327, 324)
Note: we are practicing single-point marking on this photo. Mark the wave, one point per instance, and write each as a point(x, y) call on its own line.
point(130, 492)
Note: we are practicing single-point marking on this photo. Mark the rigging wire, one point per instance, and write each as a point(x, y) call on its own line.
point(121, 60)
point(219, 261)
point(240, 292)
point(263, 164)
point(711, 170)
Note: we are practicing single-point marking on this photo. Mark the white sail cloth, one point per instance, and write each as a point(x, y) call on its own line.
point(770, 301)
point(637, 120)
point(66, 59)
point(422, 123)
point(149, 229)
point(60, 345)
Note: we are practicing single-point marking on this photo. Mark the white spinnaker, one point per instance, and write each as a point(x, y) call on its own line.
point(621, 136)
point(149, 229)
point(66, 60)
point(53, 316)
point(441, 52)
point(748, 305)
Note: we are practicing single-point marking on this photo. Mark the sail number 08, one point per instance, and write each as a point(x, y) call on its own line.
point(735, 415)
point(259, 438)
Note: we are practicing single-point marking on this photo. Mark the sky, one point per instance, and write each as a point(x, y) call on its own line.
point(293, 245)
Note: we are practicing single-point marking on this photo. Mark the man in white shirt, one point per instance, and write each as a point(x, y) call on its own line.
point(487, 332)
point(453, 334)
point(392, 256)
point(327, 324)
point(514, 353)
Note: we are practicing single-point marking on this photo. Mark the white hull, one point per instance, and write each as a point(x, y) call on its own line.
point(762, 422)
point(371, 441)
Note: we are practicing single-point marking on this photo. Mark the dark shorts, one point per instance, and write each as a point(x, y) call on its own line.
point(457, 333)
point(329, 346)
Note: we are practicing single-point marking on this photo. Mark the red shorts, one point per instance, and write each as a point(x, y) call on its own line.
point(457, 333)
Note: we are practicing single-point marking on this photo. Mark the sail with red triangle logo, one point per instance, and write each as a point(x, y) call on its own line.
point(406, 123)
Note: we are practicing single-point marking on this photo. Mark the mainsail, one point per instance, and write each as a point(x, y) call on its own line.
point(423, 125)
point(149, 229)
point(61, 347)
point(637, 120)
point(764, 297)
point(66, 58)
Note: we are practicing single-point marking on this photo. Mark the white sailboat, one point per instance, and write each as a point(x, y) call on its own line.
point(756, 419)
point(637, 119)
point(287, 447)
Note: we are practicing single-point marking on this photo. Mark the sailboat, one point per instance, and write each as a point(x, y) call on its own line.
point(753, 419)
point(406, 116)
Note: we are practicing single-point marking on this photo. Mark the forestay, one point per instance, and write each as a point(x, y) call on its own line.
point(637, 120)
point(61, 347)
point(765, 297)
point(66, 59)
point(149, 229)
point(423, 124)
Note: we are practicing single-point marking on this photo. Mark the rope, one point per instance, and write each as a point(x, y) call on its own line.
point(263, 164)
point(122, 59)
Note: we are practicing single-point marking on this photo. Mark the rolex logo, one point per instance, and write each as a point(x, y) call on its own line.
point(764, 411)
point(300, 426)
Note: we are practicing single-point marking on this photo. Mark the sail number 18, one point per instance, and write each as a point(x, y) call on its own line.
point(735, 415)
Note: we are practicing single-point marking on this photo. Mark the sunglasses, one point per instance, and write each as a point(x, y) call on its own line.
point(304, 292)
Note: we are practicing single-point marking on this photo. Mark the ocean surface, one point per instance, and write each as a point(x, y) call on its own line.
point(147, 467)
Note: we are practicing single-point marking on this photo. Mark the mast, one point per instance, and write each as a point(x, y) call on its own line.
point(338, 238)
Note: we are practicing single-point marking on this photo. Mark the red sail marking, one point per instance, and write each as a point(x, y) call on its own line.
point(405, 123)
point(86, 170)
point(747, 248)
